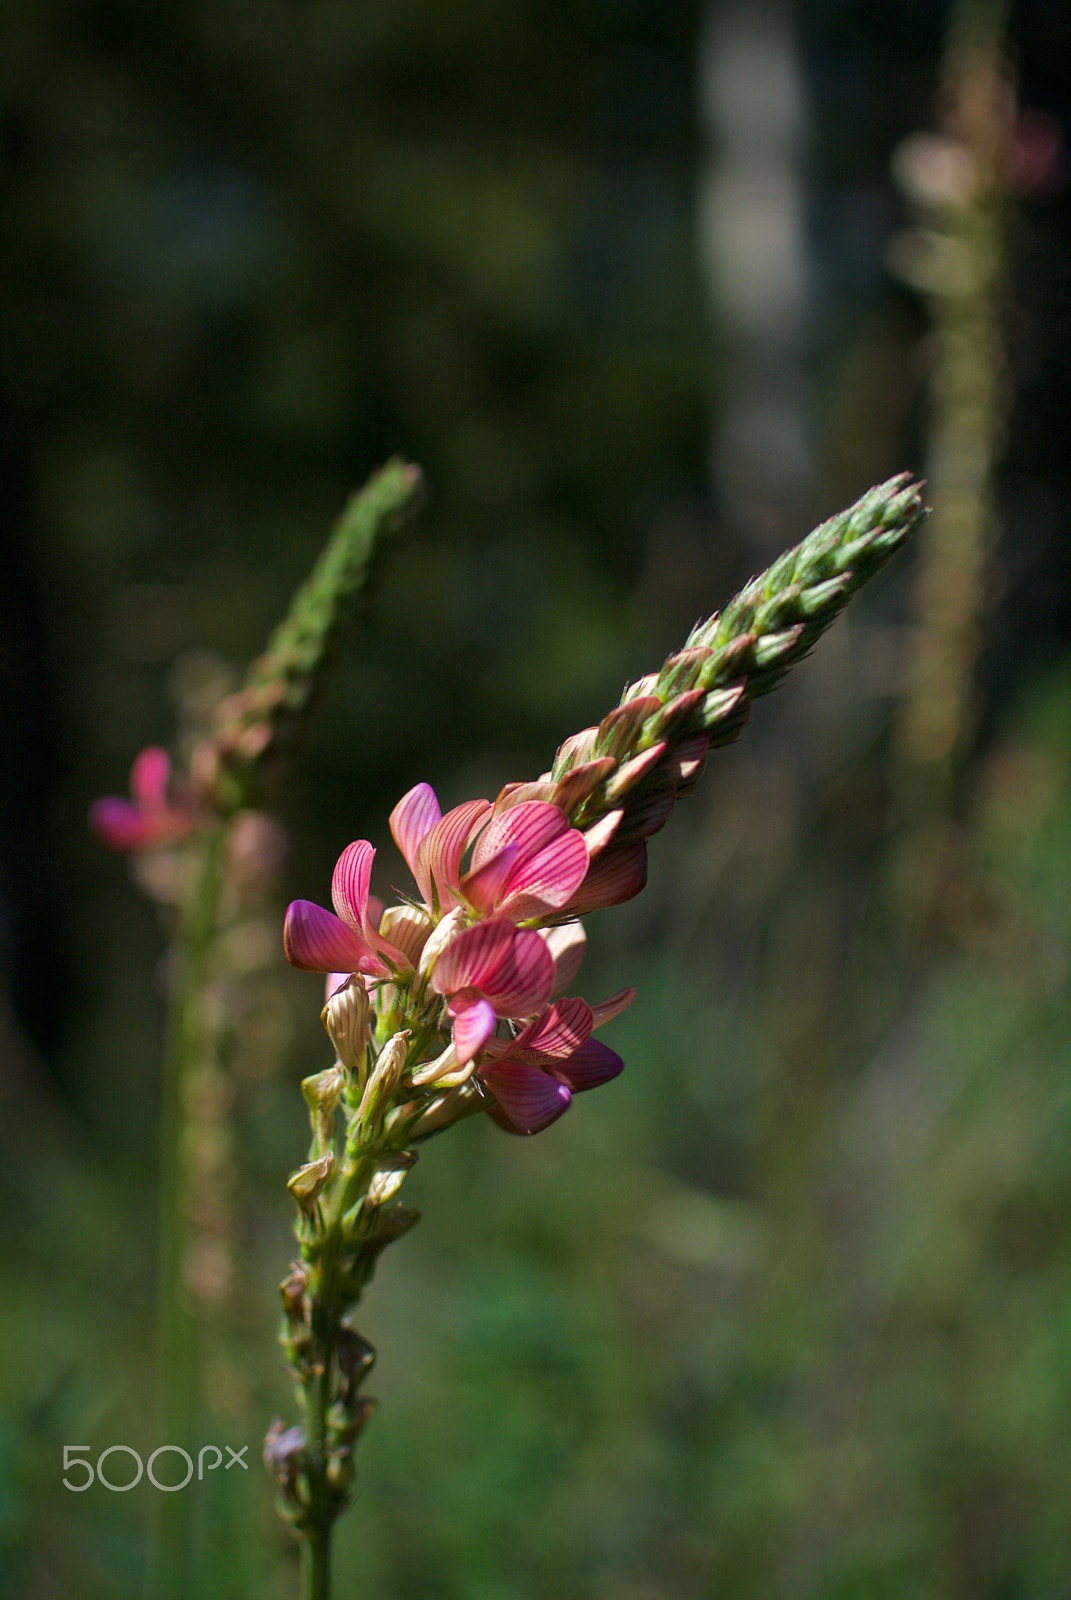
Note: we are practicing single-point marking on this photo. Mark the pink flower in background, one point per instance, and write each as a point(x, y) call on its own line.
point(148, 818)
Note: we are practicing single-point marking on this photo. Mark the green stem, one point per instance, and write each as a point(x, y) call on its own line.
point(317, 1555)
point(176, 1328)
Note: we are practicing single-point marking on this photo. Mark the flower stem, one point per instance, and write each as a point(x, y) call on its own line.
point(176, 1328)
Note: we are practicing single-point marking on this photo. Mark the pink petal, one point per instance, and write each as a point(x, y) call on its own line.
point(349, 885)
point(530, 1099)
point(317, 941)
point(483, 887)
point(614, 876)
point(335, 982)
point(607, 1009)
point(646, 815)
point(149, 776)
point(592, 1064)
point(530, 826)
point(441, 851)
point(513, 794)
point(559, 1032)
point(520, 983)
point(548, 878)
point(118, 824)
point(410, 822)
point(473, 957)
point(566, 944)
point(473, 1026)
point(598, 836)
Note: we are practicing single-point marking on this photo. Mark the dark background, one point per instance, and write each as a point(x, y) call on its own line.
point(786, 1311)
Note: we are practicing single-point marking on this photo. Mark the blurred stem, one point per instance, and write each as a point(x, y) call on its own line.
point(176, 1327)
point(960, 268)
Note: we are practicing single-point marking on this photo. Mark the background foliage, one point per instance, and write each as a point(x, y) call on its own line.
point(787, 1311)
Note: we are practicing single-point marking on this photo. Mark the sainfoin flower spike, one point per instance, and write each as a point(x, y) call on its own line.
point(455, 1001)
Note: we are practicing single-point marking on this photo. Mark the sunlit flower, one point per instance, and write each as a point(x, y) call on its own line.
point(526, 861)
point(534, 1076)
point(320, 941)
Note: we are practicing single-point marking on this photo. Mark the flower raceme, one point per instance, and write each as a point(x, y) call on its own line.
point(477, 942)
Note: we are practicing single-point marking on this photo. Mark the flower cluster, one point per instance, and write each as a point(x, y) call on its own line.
point(476, 968)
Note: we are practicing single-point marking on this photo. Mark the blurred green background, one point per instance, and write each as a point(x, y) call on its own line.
point(786, 1310)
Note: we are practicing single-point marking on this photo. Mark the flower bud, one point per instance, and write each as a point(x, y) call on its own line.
point(308, 1182)
point(389, 1175)
point(448, 929)
point(384, 1078)
point(345, 1016)
point(322, 1092)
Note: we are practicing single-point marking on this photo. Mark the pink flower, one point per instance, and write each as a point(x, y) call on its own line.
point(319, 941)
point(534, 1077)
point(493, 969)
point(148, 818)
point(526, 861)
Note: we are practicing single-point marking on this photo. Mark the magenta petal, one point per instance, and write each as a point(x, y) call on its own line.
point(614, 876)
point(441, 851)
point(473, 1026)
point(483, 887)
point(520, 984)
point(561, 1030)
point(410, 822)
point(473, 957)
point(118, 824)
point(551, 876)
point(349, 885)
point(530, 826)
point(566, 944)
point(530, 1099)
point(149, 775)
point(317, 941)
point(592, 1064)
point(612, 1007)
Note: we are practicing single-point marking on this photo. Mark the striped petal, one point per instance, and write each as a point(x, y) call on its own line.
point(530, 826)
point(349, 885)
point(317, 941)
point(549, 878)
point(614, 876)
point(586, 1068)
point(442, 849)
point(520, 984)
point(473, 1026)
point(483, 887)
point(566, 944)
point(470, 960)
point(530, 1099)
point(410, 822)
point(559, 1032)
point(606, 1009)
